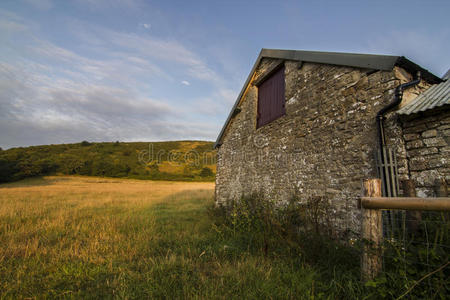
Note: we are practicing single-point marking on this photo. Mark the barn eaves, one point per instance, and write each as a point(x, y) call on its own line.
point(364, 61)
point(436, 96)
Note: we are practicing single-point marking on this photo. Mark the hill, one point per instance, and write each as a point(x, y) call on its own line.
point(175, 160)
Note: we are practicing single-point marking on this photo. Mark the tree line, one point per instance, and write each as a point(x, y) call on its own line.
point(109, 159)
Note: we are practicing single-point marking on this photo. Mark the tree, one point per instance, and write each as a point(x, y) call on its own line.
point(102, 168)
point(8, 170)
point(154, 169)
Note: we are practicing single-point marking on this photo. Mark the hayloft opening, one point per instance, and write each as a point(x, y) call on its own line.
point(271, 99)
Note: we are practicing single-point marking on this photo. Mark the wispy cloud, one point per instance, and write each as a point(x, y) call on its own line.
point(162, 49)
point(51, 94)
point(67, 111)
point(146, 25)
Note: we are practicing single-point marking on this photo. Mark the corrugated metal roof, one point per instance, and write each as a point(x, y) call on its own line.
point(446, 75)
point(435, 96)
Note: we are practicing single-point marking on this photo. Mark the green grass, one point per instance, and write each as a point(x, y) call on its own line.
point(79, 238)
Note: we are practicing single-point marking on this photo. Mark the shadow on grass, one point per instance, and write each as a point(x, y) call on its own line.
point(34, 181)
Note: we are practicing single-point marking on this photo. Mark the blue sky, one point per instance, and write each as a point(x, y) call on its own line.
point(135, 70)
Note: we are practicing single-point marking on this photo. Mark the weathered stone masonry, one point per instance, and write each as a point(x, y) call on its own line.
point(324, 144)
point(427, 137)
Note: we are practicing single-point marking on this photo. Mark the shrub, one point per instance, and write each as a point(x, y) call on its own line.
point(295, 232)
point(270, 224)
point(412, 259)
point(206, 172)
point(415, 265)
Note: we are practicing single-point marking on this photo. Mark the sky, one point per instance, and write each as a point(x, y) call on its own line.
point(135, 70)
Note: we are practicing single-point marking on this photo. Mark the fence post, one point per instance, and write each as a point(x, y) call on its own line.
point(441, 188)
point(413, 218)
point(372, 233)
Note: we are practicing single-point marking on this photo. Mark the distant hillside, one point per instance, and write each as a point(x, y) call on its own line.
point(177, 160)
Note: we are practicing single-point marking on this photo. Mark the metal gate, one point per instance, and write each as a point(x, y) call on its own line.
point(387, 171)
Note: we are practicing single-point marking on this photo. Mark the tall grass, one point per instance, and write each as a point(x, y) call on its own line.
point(85, 237)
point(101, 238)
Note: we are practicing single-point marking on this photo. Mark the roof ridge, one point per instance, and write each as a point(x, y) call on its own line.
point(357, 60)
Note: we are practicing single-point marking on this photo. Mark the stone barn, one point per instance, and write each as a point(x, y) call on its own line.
point(311, 123)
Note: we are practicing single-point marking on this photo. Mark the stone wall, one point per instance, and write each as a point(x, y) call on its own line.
point(323, 146)
point(427, 137)
point(393, 129)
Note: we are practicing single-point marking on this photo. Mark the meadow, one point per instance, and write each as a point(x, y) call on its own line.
point(83, 237)
point(89, 237)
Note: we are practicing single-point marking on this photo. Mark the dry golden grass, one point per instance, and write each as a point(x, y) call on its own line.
point(54, 202)
point(185, 147)
point(97, 238)
point(51, 220)
point(171, 167)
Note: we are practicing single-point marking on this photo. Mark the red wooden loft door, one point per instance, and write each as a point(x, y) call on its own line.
point(271, 102)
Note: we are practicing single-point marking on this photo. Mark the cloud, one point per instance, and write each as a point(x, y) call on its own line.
point(156, 50)
point(11, 26)
point(10, 23)
point(53, 94)
point(159, 49)
point(67, 111)
point(216, 104)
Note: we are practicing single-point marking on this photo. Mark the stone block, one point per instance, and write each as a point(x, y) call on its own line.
point(416, 129)
point(444, 127)
point(445, 149)
point(429, 133)
point(425, 178)
point(445, 120)
point(414, 144)
point(435, 142)
point(348, 91)
point(446, 132)
point(437, 162)
point(411, 136)
point(433, 124)
point(363, 83)
point(417, 164)
point(422, 151)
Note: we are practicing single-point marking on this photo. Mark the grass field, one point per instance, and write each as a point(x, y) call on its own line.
point(87, 237)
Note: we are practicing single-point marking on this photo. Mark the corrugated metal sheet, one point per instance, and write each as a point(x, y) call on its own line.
point(435, 96)
point(446, 75)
